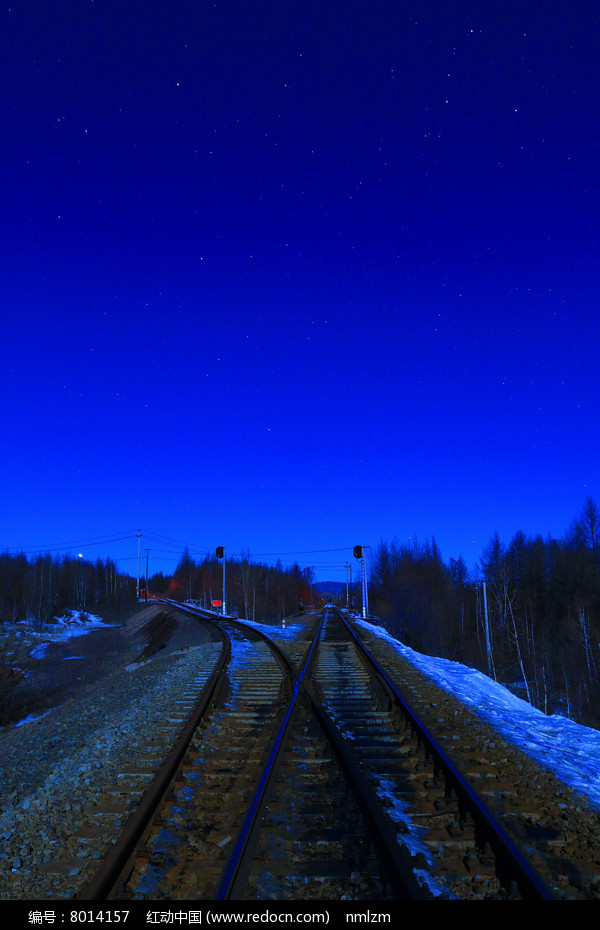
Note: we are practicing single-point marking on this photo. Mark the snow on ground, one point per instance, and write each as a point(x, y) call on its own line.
point(568, 749)
point(32, 640)
point(70, 623)
point(31, 717)
point(21, 641)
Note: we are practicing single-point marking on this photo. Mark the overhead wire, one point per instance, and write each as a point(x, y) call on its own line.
point(172, 553)
point(86, 542)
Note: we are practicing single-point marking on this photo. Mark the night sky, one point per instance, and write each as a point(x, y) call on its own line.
point(289, 277)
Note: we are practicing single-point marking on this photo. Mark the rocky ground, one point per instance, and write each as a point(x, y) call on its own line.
point(558, 828)
point(98, 696)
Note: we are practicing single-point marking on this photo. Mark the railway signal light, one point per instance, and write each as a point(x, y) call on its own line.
point(220, 551)
point(358, 552)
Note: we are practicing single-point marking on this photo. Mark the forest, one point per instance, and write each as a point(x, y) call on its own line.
point(37, 589)
point(255, 591)
point(528, 615)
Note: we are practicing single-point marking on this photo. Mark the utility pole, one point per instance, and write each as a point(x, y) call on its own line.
point(137, 590)
point(147, 556)
point(488, 645)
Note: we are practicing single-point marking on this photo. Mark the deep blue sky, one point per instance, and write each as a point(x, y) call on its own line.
point(292, 276)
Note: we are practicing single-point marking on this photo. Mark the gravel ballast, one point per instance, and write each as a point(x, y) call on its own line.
point(60, 768)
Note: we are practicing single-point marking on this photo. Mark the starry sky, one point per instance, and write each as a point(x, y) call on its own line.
point(290, 277)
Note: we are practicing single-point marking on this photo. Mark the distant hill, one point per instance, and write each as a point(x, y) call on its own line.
point(329, 587)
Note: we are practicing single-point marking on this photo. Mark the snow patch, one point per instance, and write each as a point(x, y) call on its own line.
point(568, 749)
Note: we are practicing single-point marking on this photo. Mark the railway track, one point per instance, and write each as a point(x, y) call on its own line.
point(230, 801)
point(312, 778)
point(455, 837)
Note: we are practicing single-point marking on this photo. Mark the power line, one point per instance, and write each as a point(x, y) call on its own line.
point(189, 545)
point(171, 552)
point(304, 552)
point(87, 542)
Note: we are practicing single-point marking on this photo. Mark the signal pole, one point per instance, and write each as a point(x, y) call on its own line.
point(224, 605)
point(221, 555)
point(147, 556)
point(348, 568)
point(359, 553)
point(364, 583)
point(137, 590)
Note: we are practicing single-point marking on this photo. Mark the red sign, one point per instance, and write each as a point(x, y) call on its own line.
point(217, 603)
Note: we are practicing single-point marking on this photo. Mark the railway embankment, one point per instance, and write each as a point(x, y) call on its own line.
point(556, 825)
point(65, 762)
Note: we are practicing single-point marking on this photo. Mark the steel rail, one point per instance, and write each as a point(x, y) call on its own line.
point(509, 856)
point(234, 874)
point(103, 883)
point(401, 876)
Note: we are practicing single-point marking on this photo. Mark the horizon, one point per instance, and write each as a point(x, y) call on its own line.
point(330, 566)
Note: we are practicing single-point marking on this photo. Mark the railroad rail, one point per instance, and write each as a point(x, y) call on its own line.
point(287, 780)
point(102, 884)
point(383, 739)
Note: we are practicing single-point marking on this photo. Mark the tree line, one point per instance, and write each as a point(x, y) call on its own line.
point(255, 591)
point(37, 588)
point(40, 587)
point(528, 616)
